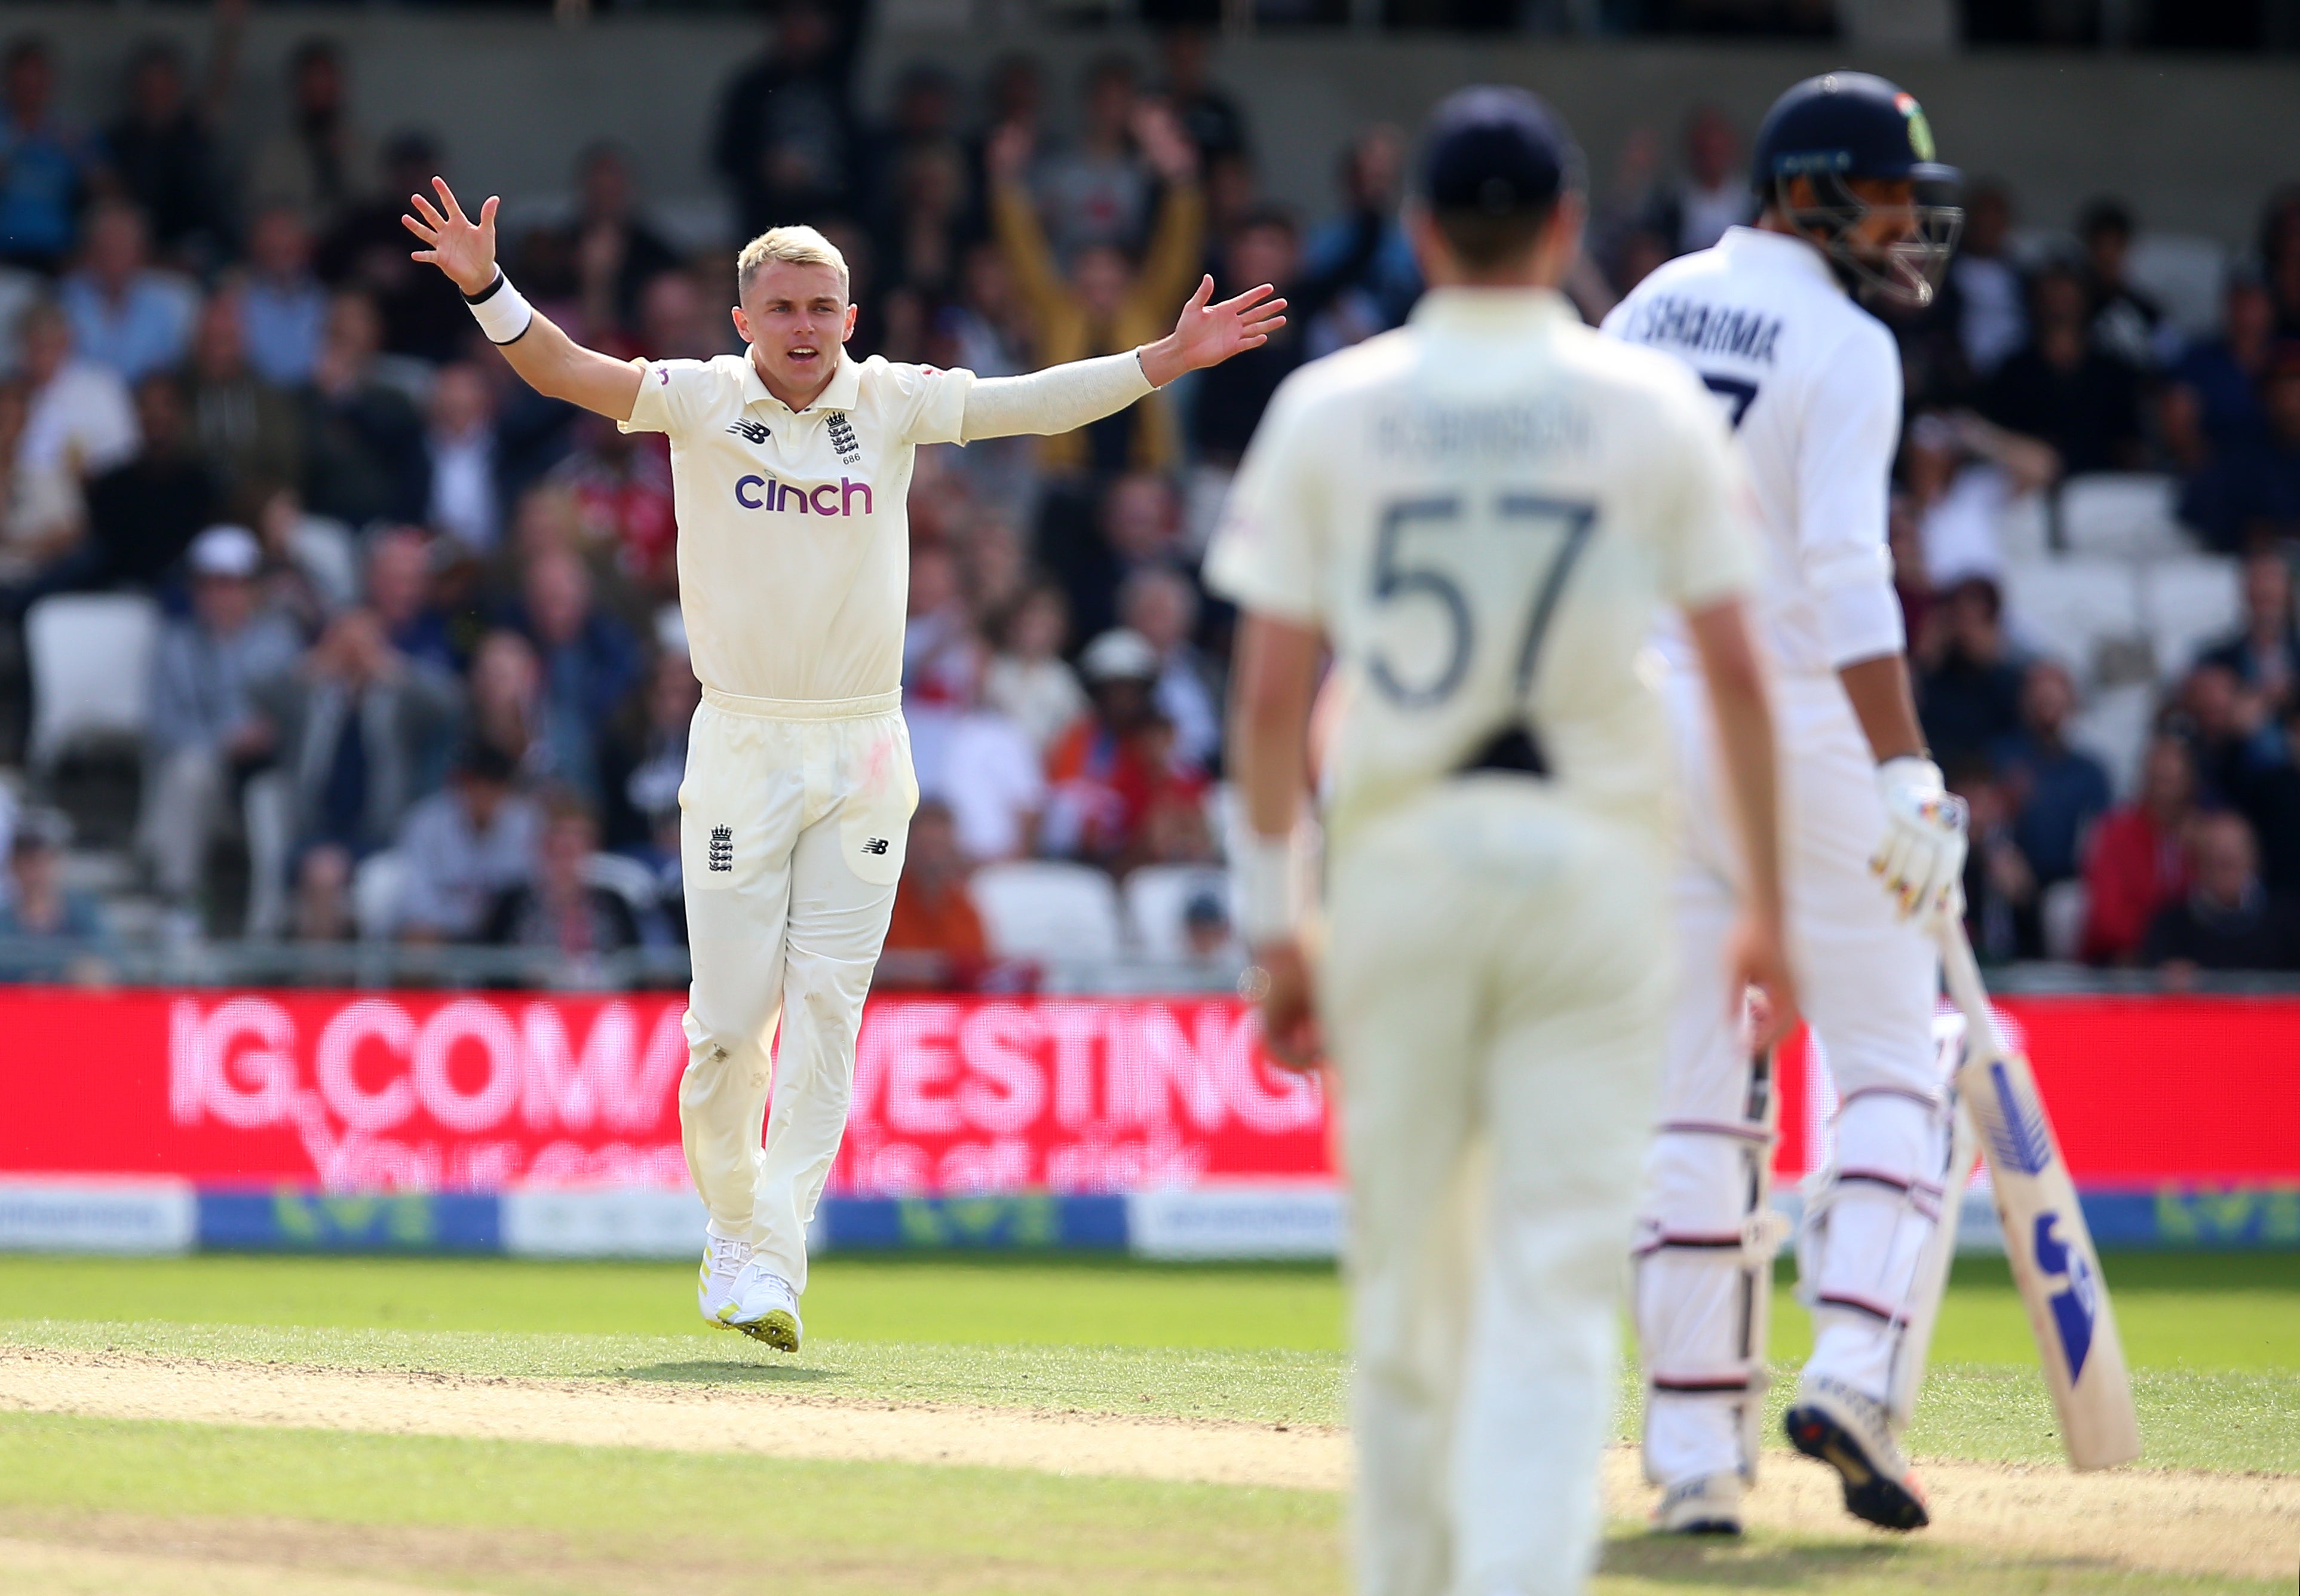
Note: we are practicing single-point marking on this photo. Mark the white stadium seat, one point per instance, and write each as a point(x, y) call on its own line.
point(2024, 528)
point(1034, 909)
point(2069, 608)
point(2187, 603)
point(2185, 273)
point(90, 656)
point(375, 894)
point(2112, 726)
point(1158, 896)
point(2130, 515)
point(627, 878)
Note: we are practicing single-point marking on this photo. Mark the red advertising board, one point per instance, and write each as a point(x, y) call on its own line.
point(428, 1091)
point(407, 1090)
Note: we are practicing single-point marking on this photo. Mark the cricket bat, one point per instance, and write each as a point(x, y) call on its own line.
point(2053, 1263)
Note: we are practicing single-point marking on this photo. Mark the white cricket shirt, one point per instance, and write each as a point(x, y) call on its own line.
point(1481, 511)
point(794, 525)
point(1811, 384)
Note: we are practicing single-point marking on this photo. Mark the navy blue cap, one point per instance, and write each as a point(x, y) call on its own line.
point(1847, 124)
point(1498, 151)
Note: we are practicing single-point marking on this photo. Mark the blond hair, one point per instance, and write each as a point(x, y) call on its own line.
point(801, 246)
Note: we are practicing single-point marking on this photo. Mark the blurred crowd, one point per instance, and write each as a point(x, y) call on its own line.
point(415, 614)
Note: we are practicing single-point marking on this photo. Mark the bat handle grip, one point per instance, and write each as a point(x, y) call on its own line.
point(1962, 973)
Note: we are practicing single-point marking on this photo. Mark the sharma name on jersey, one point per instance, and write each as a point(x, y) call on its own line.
point(1705, 328)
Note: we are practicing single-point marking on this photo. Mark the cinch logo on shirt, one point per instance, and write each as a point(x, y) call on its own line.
point(788, 498)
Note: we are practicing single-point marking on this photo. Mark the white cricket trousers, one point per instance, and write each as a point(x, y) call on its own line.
point(1867, 981)
point(793, 819)
point(1494, 991)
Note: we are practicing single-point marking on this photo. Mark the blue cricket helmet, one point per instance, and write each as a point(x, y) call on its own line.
point(1837, 130)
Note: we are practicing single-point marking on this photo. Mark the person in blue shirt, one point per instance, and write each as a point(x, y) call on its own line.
point(2059, 791)
point(42, 166)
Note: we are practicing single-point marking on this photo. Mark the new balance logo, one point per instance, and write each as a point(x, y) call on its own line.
point(750, 432)
point(722, 847)
point(877, 844)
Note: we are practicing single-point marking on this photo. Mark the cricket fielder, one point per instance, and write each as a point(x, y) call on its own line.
point(1479, 513)
point(1811, 382)
point(790, 468)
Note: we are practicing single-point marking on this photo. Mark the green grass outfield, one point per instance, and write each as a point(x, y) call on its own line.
point(2215, 1339)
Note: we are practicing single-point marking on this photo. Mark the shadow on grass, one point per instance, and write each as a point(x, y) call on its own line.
point(719, 1371)
point(1761, 1563)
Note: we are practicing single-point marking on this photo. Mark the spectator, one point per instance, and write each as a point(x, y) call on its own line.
point(283, 308)
point(48, 932)
point(41, 511)
point(314, 560)
point(126, 313)
point(366, 458)
point(399, 593)
point(160, 155)
point(1208, 939)
point(423, 316)
point(2135, 865)
point(2263, 654)
point(1097, 193)
point(321, 163)
point(616, 253)
point(1105, 305)
point(1969, 691)
point(645, 760)
point(675, 322)
point(1227, 403)
point(2279, 257)
point(589, 661)
point(2211, 401)
point(555, 908)
point(2001, 900)
point(621, 486)
point(1713, 193)
point(2249, 494)
point(1209, 115)
point(2229, 728)
point(1138, 524)
point(1116, 768)
point(1160, 605)
point(2226, 921)
point(1962, 473)
point(250, 432)
point(2057, 792)
point(82, 419)
point(787, 142)
point(919, 246)
point(507, 709)
point(42, 165)
point(207, 735)
point(1027, 680)
point(995, 782)
point(466, 497)
point(143, 513)
point(463, 848)
point(1987, 296)
point(924, 116)
point(934, 939)
point(2269, 797)
point(362, 732)
point(1362, 253)
point(2126, 322)
point(2063, 390)
point(323, 911)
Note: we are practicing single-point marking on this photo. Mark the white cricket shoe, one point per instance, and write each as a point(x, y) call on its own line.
point(1708, 1505)
point(723, 1260)
point(1852, 1432)
point(764, 1307)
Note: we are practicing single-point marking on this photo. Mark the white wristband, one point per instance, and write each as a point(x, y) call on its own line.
point(1269, 887)
point(502, 314)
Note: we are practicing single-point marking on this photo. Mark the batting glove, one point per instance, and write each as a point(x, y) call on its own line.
point(1922, 859)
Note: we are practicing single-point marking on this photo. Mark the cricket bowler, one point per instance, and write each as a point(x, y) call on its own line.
point(1770, 320)
point(1478, 514)
point(790, 468)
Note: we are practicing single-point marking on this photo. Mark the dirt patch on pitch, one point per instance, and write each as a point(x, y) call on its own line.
point(2245, 1525)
